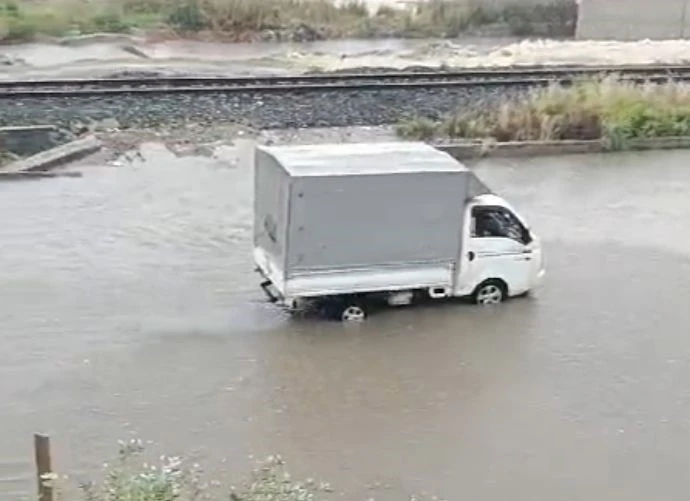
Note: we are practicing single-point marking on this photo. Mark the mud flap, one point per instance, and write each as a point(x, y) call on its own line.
point(266, 286)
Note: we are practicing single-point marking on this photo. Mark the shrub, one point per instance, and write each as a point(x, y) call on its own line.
point(187, 16)
point(417, 128)
point(555, 19)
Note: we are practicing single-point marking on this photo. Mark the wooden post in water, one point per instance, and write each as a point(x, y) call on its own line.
point(43, 466)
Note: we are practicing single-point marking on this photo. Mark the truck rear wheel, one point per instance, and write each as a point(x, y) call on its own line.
point(490, 292)
point(353, 313)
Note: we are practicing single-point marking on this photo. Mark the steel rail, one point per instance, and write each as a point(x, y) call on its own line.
point(343, 81)
point(482, 73)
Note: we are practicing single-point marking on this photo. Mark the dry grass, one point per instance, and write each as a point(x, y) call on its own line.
point(590, 109)
point(25, 20)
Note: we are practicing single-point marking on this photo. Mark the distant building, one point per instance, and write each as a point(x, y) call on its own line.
point(633, 19)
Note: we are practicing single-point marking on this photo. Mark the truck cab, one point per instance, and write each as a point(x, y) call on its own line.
point(501, 256)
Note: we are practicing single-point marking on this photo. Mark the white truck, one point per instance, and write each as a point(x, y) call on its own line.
point(343, 227)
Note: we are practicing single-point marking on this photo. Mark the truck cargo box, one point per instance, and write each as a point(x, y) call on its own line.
point(341, 218)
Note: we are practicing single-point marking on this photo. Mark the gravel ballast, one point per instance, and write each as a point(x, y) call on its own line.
point(274, 110)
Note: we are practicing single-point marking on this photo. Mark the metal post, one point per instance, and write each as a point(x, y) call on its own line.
point(683, 16)
point(43, 466)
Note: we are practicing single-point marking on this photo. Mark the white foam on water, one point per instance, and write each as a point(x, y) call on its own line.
point(237, 59)
point(524, 53)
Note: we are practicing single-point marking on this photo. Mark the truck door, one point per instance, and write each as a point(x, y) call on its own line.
point(499, 247)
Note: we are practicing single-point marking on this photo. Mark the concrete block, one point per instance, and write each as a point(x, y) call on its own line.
point(659, 143)
point(475, 149)
point(57, 156)
point(27, 140)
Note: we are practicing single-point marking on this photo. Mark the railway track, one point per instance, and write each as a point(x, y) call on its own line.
point(342, 81)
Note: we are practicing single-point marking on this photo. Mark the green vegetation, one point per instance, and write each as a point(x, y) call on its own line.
point(23, 20)
point(129, 478)
point(606, 108)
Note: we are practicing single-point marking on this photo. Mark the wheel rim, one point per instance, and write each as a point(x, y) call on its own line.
point(490, 294)
point(353, 314)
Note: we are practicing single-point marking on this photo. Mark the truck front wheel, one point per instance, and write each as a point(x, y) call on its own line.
point(490, 292)
point(344, 309)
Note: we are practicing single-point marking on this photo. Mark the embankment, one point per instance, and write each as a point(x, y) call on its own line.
point(614, 113)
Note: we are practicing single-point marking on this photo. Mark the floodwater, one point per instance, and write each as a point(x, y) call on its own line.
point(105, 56)
point(129, 307)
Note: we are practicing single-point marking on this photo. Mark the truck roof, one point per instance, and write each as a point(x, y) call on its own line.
point(343, 159)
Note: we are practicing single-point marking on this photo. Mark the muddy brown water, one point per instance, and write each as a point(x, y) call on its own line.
point(129, 307)
point(100, 58)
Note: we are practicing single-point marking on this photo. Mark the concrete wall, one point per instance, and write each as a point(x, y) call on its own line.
point(633, 19)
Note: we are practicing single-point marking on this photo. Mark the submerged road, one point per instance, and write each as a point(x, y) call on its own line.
point(129, 306)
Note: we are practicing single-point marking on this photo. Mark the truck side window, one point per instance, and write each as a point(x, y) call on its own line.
point(497, 222)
